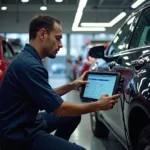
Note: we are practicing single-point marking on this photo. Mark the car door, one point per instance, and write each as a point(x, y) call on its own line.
point(115, 50)
point(134, 78)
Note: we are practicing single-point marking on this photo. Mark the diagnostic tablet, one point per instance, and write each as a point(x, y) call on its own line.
point(100, 83)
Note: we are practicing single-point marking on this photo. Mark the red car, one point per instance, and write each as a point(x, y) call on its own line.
point(85, 62)
point(6, 55)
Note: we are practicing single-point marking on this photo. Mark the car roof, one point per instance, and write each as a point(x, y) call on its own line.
point(141, 8)
point(146, 4)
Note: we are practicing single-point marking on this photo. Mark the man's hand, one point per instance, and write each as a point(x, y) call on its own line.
point(76, 83)
point(106, 102)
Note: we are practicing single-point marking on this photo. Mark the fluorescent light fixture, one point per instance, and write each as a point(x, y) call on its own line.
point(110, 24)
point(58, 1)
point(88, 29)
point(82, 3)
point(79, 13)
point(75, 25)
point(95, 24)
point(43, 8)
point(24, 1)
point(78, 17)
point(118, 18)
point(137, 3)
point(4, 8)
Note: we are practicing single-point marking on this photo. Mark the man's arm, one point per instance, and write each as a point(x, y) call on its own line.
point(70, 108)
point(70, 86)
point(65, 89)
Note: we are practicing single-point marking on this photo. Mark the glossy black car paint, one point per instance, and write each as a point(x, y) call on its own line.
point(135, 94)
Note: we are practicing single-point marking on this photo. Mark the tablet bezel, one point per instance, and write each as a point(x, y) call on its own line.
point(115, 90)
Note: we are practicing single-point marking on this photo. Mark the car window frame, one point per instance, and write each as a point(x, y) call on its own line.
point(141, 13)
point(137, 16)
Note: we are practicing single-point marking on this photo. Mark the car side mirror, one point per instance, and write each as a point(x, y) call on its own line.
point(97, 52)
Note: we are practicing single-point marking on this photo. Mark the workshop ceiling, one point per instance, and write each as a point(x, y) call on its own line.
point(95, 11)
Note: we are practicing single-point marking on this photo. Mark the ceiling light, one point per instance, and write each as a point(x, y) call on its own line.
point(95, 24)
point(75, 25)
point(79, 13)
point(82, 3)
point(88, 29)
point(43, 8)
point(4, 8)
point(78, 17)
point(110, 24)
point(58, 1)
point(24, 1)
point(137, 3)
point(118, 18)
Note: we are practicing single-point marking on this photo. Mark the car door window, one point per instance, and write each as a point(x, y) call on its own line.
point(119, 42)
point(141, 35)
point(7, 50)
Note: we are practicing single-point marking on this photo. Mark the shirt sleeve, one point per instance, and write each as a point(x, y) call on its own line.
point(35, 82)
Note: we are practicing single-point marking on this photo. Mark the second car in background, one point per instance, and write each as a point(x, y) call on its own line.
point(6, 55)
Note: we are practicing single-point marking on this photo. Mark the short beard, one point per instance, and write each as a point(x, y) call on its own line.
point(52, 57)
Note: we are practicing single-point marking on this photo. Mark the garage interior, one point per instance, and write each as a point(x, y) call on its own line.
point(77, 39)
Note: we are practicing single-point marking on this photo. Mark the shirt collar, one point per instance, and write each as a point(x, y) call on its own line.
point(33, 51)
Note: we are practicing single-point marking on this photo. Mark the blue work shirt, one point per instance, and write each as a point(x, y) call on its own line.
point(24, 91)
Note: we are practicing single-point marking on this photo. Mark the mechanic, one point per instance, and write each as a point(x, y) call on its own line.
point(25, 90)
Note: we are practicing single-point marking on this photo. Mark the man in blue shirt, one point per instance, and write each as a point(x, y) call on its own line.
point(25, 90)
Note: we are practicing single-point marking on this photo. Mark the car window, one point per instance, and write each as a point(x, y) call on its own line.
point(119, 42)
point(141, 35)
point(7, 50)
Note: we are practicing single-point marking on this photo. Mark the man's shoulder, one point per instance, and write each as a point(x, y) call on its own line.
point(25, 60)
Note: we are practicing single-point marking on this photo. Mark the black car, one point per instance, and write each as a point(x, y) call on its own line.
point(128, 54)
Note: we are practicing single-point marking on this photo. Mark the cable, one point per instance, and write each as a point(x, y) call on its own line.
point(125, 129)
point(122, 107)
point(128, 102)
point(122, 89)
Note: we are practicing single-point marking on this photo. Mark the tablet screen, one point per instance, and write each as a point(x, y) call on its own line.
point(99, 84)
